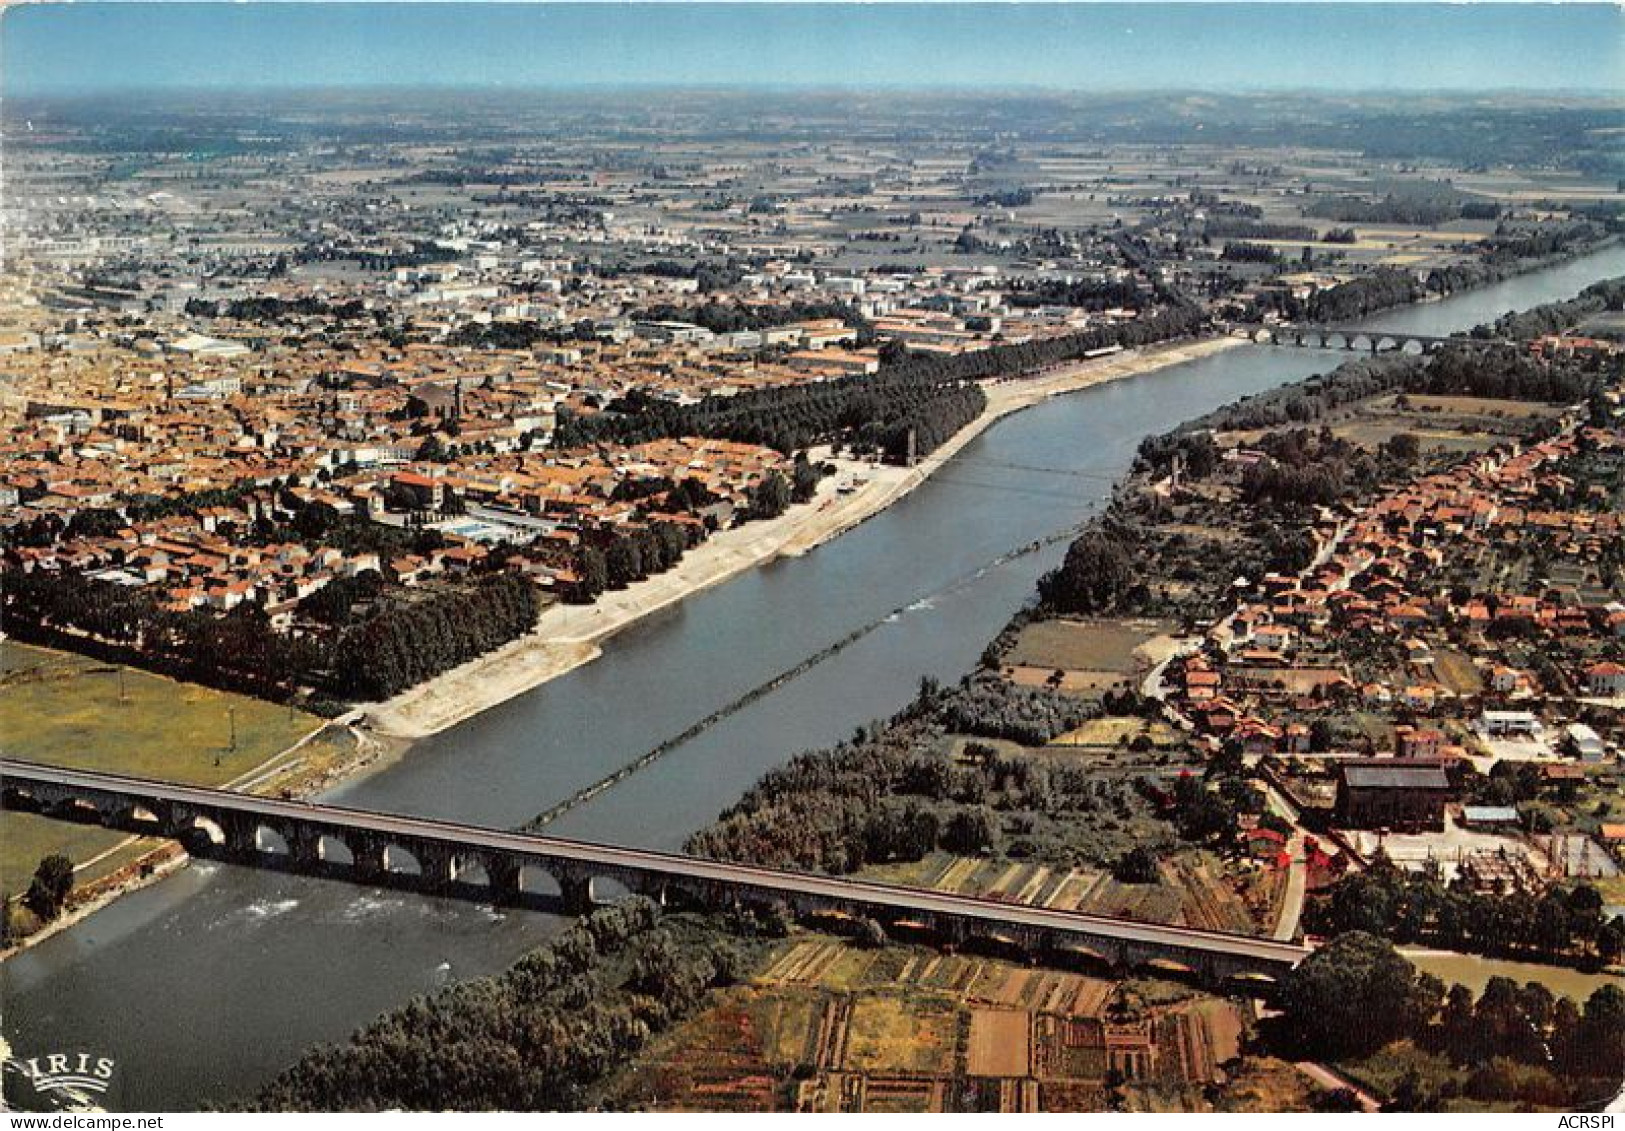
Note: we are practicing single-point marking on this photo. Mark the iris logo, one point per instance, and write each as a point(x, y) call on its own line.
point(72, 1075)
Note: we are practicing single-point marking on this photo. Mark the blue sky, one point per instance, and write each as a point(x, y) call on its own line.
point(91, 47)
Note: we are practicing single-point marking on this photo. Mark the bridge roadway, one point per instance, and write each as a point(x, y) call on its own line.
point(447, 854)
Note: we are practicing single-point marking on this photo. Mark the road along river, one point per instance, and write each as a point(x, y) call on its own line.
point(203, 986)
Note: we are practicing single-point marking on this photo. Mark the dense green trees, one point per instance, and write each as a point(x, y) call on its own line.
point(1207, 809)
point(889, 796)
point(1557, 926)
point(770, 497)
point(406, 642)
point(1557, 317)
point(1227, 227)
point(537, 1037)
point(727, 318)
point(1137, 866)
point(804, 478)
point(335, 602)
point(238, 651)
point(991, 708)
point(1365, 294)
point(1598, 1047)
point(930, 396)
point(1349, 998)
point(1514, 1044)
point(401, 641)
point(1493, 371)
point(270, 308)
point(1096, 575)
point(616, 558)
point(1240, 251)
point(1416, 208)
point(1083, 294)
point(48, 890)
point(1505, 255)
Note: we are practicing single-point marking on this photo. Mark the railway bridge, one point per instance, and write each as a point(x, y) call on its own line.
point(466, 860)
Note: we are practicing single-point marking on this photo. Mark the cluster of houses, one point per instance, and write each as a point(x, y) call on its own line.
point(540, 506)
point(1480, 595)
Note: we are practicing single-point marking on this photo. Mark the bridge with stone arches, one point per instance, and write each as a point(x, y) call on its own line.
point(454, 859)
point(1350, 340)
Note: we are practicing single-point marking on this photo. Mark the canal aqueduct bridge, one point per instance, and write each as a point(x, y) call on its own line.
point(455, 859)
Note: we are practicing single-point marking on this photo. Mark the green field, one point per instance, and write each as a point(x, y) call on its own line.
point(69, 710)
point(1082, 645)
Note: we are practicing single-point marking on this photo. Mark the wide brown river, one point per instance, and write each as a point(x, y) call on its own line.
point(203, 986)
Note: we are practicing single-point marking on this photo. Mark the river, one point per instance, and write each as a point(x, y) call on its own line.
point(1475, 972)
point(203, 986)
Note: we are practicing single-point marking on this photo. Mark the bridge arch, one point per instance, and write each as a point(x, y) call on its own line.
point(79, 810)
point(467, 869)
point(997, 943)
point(610, 889)
point(334, 850)
point(22, 800)
point(270, 841)
point(198, 833)
point(1168, 966)
point(537, 882)
point(138, 817)
point(401, 861)
point(1088, 956)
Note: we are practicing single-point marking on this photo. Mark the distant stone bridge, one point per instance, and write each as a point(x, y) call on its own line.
point(465, 860)
point(1352, 341)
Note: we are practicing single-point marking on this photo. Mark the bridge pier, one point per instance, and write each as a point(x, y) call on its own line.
point(242, 836)
point(502, 877)
point(575, 894)
point(304, 847)
point(367, 856)
point(438, 866)
point(652, 888)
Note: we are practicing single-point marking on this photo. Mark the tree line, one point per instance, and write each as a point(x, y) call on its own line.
point(270, 308)
point(930, 395)
point(1084, 294)
point(1227, 227)
point(731, 317)
point(537, 1037)
point(402, 642)
point(1504, 256)
point(890, 794)
point(1411, 210)
point(407, 642)
point(1366, 294)
point(237, 651)
point(1518, 1044)
point(1555, 927)
point(1557, 317)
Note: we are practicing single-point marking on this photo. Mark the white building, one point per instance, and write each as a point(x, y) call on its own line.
point(1586, 743)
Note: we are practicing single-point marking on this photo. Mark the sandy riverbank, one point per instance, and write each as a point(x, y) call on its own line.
point(567, 636)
